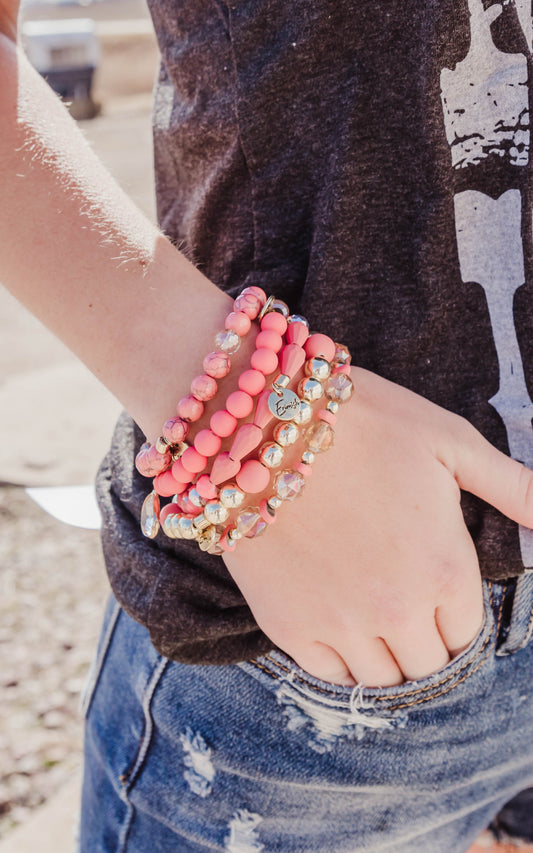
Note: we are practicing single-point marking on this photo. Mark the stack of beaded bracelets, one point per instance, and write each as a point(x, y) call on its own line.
point(201, 503)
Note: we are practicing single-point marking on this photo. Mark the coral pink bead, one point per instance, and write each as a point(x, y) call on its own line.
point(297, 333)
point(274, 322)
point(179, 472)
point(175, 430)
point(320, 345)
point(207, 443)
point(304, 469)
point(204, 387)
point(329, 417)
point(264, 360)
point(193, 461)
point(257, 291)
point(224, 469)
point(248, 303)
point(263, 415)
point(247, 439)
point(223, 423)
point(341, 368)
point(253, 477)
point(166, 485)
point(252, 381)
point(205, 488)
point(169, 509)
point(266, 515)
point(269, 339)
point(217, 364)
point(291, 359)
point(190, 409)
point(238, 322)
point(240, 404)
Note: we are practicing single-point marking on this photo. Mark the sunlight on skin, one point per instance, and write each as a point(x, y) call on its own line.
point(500, 848)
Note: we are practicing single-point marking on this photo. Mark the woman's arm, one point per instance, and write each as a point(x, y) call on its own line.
point(371, 575)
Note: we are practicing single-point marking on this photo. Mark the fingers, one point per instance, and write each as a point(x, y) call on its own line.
point(460, 619)
point(322, 662)
point(493, 476)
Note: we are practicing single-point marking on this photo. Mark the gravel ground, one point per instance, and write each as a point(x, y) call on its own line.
point(52, 594)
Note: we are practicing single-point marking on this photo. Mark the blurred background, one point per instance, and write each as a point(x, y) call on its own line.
point(101, 56)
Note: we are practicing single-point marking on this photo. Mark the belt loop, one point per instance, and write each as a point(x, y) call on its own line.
point(521, 617)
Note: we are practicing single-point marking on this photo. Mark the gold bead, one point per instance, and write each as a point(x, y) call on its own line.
point(317, 367)
point(308, 457)
point(332, 407)
point(179, 450)
point(231, 496)
point(286, 433)
point(161, 445)
point(310, 389)
point(215, 512)
point(271, 454)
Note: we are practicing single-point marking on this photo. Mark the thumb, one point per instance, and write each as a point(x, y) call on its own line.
point(491, 475)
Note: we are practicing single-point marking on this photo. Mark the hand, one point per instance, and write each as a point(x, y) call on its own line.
point(371, 576)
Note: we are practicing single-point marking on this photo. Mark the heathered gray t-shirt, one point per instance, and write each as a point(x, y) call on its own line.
point(368, 163)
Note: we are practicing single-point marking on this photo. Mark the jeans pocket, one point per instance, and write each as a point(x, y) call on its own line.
point(111, 615)
point(278, 668)
point(518, 628)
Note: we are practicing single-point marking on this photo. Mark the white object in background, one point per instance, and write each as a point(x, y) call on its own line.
point(75, 505)
point(56, 44)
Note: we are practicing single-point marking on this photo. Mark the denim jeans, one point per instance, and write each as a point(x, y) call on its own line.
point(261, 756)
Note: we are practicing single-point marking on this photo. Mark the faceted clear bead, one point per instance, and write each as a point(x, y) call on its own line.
point(228, 341)
point(310, 389)
point(231, 496)
point(289, 484)
point(319, 437)
point(318, 368)
point(305, 414)
point(215, 512)
point(280, 307)
point(297, 318)
point(259, 527)
point(286, 433)
point(247, 519)
point(271, 454)
point(339, 388)
point(150, 515)
point(342, 354)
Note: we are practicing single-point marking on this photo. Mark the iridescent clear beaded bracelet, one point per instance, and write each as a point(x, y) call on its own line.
point(201, 504)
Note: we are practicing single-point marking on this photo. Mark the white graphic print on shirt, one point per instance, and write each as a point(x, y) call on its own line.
point(485, 103)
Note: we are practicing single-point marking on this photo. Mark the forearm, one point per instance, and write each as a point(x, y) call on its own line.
point(77, 252)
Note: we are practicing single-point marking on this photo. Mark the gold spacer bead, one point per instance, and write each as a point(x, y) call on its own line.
point(161, 445)
point(332, 407)
point(179, 450)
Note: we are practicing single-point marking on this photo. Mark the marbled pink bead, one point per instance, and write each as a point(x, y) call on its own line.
point(224, 469)
point(149, 462)
point(264, 360)
point(190, 409)
point(274, 322)
point(269, 339)
point(166, 485)
point(240, 404)
point(297, 333)
point(257, 291)
point(329, 417)
point(175, 430)
point(223, 423)
point(249, 436)
point(318, 344)
point(204, 387)
point(207, 442)
point(205, 488)
point(179, 473)
point(341, 368)
point(253, 477)
point(291, 359)
point(238, 322)
point(248, 303)
point(252, 381)
point(217, 364)
point(263, 415)
point(193, 461)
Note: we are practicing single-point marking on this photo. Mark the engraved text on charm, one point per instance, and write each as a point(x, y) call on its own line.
point(284, 406)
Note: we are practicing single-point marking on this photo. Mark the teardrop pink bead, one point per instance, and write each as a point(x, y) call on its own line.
point(291, 359)
point(253, 477)
point(320, 345)
point(224, 469)
point(263, 415)
point(297, 333)
point(247, 439)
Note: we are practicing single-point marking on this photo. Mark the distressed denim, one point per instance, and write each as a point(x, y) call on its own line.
point(260, 756)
